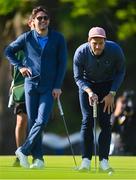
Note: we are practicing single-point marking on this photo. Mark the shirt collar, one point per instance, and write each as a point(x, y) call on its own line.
point(39, 36)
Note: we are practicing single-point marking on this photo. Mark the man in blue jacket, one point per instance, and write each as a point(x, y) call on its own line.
point(99, 70)
point(44, 68)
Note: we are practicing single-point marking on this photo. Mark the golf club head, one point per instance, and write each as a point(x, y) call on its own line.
point(83, 170)
point(110, 172)
point(76, 168)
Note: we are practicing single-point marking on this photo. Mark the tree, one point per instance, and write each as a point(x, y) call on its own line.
point(121, 11)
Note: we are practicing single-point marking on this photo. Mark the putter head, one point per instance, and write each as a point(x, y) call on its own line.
point(110, 173)
point(76, 168)
point(83, 170)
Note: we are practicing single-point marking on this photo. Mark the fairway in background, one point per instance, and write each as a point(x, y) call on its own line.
point(62, 167)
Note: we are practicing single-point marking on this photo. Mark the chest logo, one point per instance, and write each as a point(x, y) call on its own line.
point(107, 62)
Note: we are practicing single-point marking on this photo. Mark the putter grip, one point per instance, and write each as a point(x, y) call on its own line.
point(95, 109)
point(60, 107)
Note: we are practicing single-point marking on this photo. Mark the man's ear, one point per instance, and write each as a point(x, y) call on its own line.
point(89, 39)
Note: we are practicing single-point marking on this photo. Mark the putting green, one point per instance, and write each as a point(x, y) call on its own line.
point(62, 167)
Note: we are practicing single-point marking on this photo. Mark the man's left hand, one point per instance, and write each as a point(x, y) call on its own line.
point(108, 103)
point(56, 93)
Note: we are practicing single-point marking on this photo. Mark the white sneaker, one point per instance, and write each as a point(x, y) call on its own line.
point(38, 164)
point(85, 165)
point(23, 158)
point(104, 165)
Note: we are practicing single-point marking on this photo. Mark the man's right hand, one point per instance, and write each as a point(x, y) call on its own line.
point(92, 98)
point(25, 72)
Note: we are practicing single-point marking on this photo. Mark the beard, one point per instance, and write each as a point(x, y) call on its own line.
point(98, 52)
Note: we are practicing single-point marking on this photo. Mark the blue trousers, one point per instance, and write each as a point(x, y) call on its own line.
point(39, 106)
point(101, 89)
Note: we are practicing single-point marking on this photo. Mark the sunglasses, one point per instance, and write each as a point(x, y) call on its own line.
point(40, 18)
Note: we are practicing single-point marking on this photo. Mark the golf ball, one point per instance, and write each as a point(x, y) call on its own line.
point(110, 173)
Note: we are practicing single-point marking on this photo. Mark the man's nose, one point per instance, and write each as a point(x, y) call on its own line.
point(97, 46)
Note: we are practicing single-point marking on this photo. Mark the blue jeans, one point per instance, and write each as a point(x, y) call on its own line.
point(39, 106)
point(101, 89)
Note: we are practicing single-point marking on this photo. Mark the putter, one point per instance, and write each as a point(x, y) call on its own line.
point(64, 121)
point(95, 141)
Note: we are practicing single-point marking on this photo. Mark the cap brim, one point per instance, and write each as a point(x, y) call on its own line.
point(97, 36)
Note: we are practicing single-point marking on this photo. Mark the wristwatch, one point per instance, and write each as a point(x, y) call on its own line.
point(113, 93)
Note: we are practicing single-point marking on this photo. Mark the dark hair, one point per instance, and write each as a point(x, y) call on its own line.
point(38, 9)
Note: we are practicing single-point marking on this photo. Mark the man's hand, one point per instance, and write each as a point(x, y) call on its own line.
point(56, 93)
point(25, 72)
point(108, 103)
point(92, 98)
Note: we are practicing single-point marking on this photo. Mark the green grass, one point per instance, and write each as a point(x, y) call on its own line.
point(62, 167)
